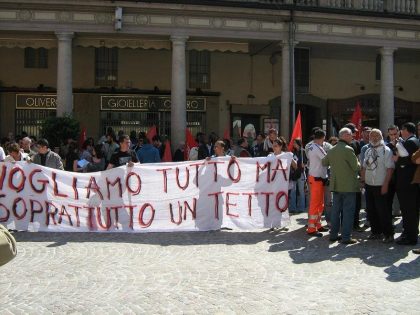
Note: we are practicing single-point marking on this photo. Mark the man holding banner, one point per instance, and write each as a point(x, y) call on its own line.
point(46, 157)
point(124, 155)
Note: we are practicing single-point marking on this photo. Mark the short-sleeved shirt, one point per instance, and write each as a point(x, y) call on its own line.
point(121, 158)
point(315, 154)
point(376, 162)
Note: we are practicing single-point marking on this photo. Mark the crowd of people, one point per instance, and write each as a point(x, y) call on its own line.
point(376, 169)
point(328, 179)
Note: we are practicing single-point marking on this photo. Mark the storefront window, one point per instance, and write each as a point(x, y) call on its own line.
point(140, 112)
point(30, 121)
point(32, 110)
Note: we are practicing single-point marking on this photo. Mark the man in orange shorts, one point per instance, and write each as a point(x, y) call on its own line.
point(317, 179)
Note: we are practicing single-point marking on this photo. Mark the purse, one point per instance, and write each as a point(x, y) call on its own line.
point(8, 248)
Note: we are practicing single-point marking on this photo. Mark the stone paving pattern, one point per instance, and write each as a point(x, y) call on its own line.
point(221, 272)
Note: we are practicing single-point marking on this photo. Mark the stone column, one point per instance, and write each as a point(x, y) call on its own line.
point(178, 90)
point(386, 108)
point(64, 74)
point(285, 91)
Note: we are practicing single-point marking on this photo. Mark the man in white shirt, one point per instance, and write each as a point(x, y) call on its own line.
point(317, 180)
point(377, 170)
point(327, 192)
point(326, 145)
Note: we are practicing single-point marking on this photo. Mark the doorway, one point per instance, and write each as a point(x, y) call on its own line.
point(245, 125)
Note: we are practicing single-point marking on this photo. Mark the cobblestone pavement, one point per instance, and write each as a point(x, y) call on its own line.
point(223, 272)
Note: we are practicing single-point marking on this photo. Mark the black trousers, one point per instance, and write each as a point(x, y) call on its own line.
point(391, 194)
point(408, 196)
point(378, 211)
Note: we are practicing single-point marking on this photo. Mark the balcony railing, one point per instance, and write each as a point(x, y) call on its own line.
point(385, 6)
point(401, 7)
point(390, 6)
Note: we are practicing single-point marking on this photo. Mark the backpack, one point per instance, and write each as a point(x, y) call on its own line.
point(8, 249)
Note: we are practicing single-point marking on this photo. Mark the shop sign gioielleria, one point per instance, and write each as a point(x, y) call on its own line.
point(148, 103)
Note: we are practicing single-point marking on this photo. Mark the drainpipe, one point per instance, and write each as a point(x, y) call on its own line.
point(292, 100)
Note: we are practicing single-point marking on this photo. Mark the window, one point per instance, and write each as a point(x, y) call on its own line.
point(199, 69)
point(36, 58)
point(378, 68)
point(302, 70)
point(106, 66)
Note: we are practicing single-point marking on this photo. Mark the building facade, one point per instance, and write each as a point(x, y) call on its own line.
point(208, 65)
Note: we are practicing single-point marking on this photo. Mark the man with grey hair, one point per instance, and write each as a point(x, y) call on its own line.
point(377, 170)
point(344, 184)
point(26, 146)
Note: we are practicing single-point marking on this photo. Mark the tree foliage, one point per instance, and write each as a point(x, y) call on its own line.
point(58, 129)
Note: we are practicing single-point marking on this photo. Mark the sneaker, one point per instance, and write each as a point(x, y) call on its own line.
point(374, 236)
point(416, 251)
point(388, 239)
point(323, 229)
point(349, 241)
point(316, 234)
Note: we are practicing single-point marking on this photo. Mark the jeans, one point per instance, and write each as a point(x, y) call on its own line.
point(343, 208)
point(297, 196)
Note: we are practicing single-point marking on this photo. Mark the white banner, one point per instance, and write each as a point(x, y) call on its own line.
point(240, 193)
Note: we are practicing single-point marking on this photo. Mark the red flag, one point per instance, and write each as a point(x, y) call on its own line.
point(297, 132)
point(226, 134)
point(356, 119)
point(167, 155)
point(151, 133)
point(82, 137)
point(189, 144)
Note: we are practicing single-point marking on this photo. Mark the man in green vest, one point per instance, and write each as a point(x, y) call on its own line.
point(344, 184)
